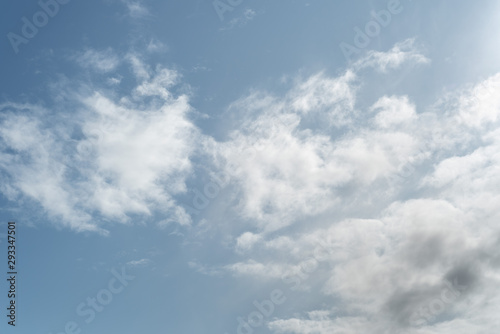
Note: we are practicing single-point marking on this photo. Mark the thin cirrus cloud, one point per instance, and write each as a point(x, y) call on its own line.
point(403, 52)
point(139, 263)
point(98, 60)
point(136, 9)
point(118, 156)
point(238, 22)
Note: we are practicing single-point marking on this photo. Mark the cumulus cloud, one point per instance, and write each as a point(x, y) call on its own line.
point(291, 160)
point(404, 200)
point(422, 266)
point(247, 240)
point(117, 157)
point(34, 164)
point(481, 104)
point(310, 150)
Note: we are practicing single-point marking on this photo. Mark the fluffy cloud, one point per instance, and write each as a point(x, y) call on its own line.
point(283, 169)
point(423, 266)
point(405, 202)
point(117, 158)
point(299, 154)
point(247, 240)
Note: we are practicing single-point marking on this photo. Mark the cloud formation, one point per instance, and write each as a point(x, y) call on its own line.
point(404, 198)
point(300, 154)
point(98, 60)
point(401, 53)
point(117, 157)
point(406, 201)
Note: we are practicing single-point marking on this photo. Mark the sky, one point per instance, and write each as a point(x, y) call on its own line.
point(237, 166)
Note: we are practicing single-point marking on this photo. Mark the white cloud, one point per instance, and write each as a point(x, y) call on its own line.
point(403, 52)
point(139, 263)
point(35, 165)
point(382, 272)
point(332, 96)
point(406, 203)
point(258, 269)
point(481, 105)
point(140, 69)
point(247, 240)
point(139, 156)
point(321, 325)
point(310, 151)
point(114, 159)
point(404, 200)
point(287, 171)
point(394, 112)
point(114, 80)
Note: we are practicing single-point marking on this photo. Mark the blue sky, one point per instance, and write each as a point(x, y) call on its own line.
point(223, 167)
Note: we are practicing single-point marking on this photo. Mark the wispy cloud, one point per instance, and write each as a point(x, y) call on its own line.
point(237, 22)
point(401, 53)
point(99, 60)
point(155, 45)
point(139, 263)
point(136, 9)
